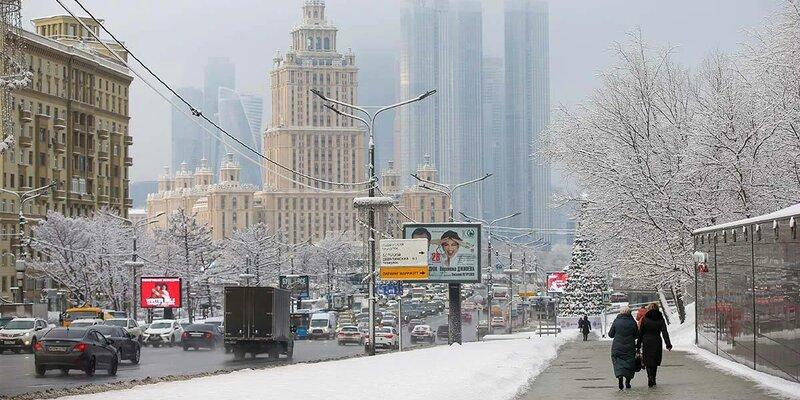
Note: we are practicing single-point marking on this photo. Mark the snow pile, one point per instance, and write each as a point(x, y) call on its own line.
point(481, 370)
point(682, 337)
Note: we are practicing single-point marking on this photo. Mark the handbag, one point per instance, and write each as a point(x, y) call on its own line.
point(638, 362)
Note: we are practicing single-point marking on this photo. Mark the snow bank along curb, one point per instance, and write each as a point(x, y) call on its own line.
point(495, 369)
point(682, 336)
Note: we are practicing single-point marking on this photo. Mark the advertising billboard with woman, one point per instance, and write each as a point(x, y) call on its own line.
point(160, 292)
point(453, 250)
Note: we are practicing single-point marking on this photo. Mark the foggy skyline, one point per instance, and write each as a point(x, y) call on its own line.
point(175, 39)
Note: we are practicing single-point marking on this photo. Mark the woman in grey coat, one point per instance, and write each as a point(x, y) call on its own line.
point(623, 349)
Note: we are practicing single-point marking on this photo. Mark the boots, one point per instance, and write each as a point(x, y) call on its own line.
point(627, 383)
point(620, 383)
point(651, 376)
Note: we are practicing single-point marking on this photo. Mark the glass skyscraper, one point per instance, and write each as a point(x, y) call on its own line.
point(187, 138)
point(526, 175)
point(240, 115)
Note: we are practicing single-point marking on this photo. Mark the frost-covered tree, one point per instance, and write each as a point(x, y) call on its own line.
point(187, 250)
point(255, 250)
point(583, 294)
point(86, 256)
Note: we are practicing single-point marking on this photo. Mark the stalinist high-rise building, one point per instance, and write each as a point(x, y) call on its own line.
point(311, 139)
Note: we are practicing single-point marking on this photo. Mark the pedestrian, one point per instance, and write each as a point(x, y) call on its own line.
point(640, 314)
point(584, 326)
point(624, 331)
point(653, 327)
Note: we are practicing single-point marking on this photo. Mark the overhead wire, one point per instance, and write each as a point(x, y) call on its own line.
point(195, 112)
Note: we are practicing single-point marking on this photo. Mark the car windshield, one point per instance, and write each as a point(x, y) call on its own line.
point(160, 325)
point(78, 324)
point(385, 330)
point(201, 327)
point(65, 333)
point(319, 322)
point(106, 330)
point(19, 325)
point(116, 322)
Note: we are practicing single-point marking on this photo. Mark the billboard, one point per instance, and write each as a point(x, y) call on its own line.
point(160, 292)
point(454, 250)
point(556, 282)
point(296, 284)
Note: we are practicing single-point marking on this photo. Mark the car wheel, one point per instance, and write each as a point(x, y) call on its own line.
point(238, 354)
point(64, 371)
point(136, 355)
point(16, 351)
point(91, 365)
point(40, 370)
point(112, 369)
point(185, 348)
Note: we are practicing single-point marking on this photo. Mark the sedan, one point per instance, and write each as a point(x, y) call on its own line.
point(498, 322)
point(200, 335)
point(130, 325)
point(422, 333)
point(85, 323)
point(127, 345)
point(349, 334)
point(75, 348)
point(413, 323)
point(163, 331)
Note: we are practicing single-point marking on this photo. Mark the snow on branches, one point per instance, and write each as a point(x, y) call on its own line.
point(660, 151)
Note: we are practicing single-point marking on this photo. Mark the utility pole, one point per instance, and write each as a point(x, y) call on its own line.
point(369, 123)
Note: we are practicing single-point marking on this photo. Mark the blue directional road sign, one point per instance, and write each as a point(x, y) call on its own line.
point(390, 289)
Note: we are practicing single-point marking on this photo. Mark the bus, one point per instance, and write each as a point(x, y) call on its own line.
point(300, 321)
point(85, 312)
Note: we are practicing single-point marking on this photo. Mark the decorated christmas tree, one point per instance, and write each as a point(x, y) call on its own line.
point(583, 294)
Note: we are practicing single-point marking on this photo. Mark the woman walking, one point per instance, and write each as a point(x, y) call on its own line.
point(623, 348)
point(653, 327)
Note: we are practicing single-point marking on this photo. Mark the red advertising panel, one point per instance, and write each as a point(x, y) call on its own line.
point(160, 292)
point(556, 282)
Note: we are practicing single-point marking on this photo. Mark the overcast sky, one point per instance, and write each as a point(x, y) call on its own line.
point(174, 37)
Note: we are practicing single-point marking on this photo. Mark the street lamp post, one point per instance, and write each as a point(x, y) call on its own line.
point(511, 272)
point(20, 264)
point(135, 263)
point(489, 225)
point(369, 122)
point(454, 289)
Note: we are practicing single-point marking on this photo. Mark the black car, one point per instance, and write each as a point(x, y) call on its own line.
point(443, 332)
point(75, 348)
point(127, 345)
point(201, 335)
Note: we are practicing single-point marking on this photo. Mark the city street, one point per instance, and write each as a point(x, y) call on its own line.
point(17, 372)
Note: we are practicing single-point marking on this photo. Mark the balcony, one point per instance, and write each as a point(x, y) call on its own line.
point(42, 117)
point(59, 124)
point(129, 161)
point(60, 194)
point(60, 147)
point(25, 141)
point(102, 155)
point(102, 198)
point(129, 203)
point(102, 134)
point(128, 140)
point(25, 116)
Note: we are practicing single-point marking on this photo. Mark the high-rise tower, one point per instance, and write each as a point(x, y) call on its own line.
point(527, 105)
point(310, 138)
point(441, 48)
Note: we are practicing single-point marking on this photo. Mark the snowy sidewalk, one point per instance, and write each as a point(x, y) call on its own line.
point(583, 370)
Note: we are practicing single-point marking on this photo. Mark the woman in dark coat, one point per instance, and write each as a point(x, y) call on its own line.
point(653, 327)
point(623, 348)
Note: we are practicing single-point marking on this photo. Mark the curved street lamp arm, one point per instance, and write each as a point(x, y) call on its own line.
point(341, 103)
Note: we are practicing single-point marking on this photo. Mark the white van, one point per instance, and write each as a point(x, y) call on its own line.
point(323, 325)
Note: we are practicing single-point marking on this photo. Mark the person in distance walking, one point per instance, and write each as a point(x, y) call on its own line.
point(584, 326)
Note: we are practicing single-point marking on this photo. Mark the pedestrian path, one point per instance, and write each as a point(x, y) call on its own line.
point(583, 370)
